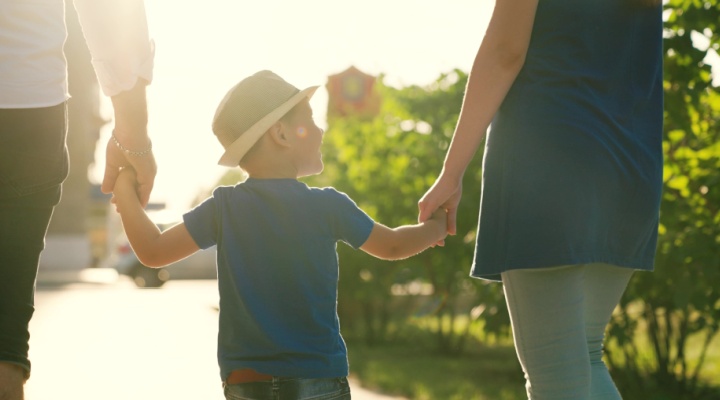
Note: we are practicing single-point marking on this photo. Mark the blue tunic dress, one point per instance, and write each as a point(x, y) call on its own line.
point(572, 171)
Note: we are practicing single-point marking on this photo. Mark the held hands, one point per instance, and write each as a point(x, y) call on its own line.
point(126, 180)
point(129, 145)
point(441, 218)
point(125, 186)
point(144, 168)
point(444, 195)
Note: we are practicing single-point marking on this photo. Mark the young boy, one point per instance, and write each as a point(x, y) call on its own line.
point(276, 246)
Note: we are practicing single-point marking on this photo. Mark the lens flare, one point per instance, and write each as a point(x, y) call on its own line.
point(301, 132)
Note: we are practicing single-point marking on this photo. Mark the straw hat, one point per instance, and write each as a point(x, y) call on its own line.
point(249, 109)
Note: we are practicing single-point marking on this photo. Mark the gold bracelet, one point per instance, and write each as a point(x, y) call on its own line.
point(131, 152)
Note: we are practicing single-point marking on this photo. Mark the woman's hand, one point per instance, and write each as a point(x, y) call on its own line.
point(144, 167)
point(445, 193)
point(130, 145)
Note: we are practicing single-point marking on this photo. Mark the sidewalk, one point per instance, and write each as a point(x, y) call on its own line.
point(106, 339)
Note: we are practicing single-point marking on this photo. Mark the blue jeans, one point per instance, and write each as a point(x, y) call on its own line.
point(559, 316)
point(291, 389)
point(33, 164)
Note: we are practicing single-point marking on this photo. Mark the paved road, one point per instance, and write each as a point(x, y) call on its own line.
point(112, 341)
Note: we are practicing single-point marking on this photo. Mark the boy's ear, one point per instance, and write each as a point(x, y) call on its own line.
point(277, 133)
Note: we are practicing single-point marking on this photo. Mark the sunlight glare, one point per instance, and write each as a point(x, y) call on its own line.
point(204, 49)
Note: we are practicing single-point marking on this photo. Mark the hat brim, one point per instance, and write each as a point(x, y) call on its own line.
point(237, 149)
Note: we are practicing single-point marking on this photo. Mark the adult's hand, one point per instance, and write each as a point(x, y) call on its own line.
point(444, 193)
point(144, 166)
point(130, 145)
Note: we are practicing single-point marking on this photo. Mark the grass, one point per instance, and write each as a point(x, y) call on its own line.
point(415, 373)
point(407, 366)
point(710, 370)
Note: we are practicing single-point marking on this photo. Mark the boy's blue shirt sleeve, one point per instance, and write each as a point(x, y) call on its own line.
point(200, 223)
point(348, 222)
point(351, 224)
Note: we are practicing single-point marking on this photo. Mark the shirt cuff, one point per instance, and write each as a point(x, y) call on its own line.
point(116, 77)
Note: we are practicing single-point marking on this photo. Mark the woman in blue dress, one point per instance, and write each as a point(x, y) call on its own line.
point(572, 174)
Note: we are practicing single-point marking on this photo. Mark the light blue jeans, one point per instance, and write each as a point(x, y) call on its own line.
point(558, 320)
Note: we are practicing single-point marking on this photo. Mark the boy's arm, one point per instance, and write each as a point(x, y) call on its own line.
point(152, 247)
point(407, 240)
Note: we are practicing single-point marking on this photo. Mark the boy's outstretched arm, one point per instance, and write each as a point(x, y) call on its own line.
point(152, 247)
point(407, 240)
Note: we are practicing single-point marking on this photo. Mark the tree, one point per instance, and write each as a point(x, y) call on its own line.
point(679, 303)
point(385, 164)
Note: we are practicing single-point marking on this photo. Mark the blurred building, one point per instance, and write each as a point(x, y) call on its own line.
point(352, 93)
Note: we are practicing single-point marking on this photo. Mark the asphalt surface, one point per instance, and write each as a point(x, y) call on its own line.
point(103, 338)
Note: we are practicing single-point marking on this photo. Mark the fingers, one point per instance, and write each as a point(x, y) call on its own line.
point(143, 192)
point(142, 182)
point(114, 161)
point(114, 202)
point(425, 210)
point(109, 179)
point(145, 170)
point(452, 221)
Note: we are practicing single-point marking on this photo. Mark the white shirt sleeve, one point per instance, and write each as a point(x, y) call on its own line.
point(116, 32)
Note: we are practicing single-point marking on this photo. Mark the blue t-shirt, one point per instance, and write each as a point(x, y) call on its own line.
point(572, 171)
point(278, 274)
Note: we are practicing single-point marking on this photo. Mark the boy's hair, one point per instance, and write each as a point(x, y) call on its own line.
point(250, 108)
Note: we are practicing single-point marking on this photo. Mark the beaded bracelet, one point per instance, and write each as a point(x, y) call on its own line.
point(131, 152)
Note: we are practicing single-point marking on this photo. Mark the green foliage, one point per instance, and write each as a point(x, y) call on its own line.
point(667, 321)
point(386, 164)
point(400, 369)
point(680, 301)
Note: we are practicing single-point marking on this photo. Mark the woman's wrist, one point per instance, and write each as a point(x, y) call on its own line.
point(451, 175)
point(134, 149)
point(131, 115)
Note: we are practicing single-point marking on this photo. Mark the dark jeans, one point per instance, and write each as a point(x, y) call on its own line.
point(33, 164)
point(290, 389)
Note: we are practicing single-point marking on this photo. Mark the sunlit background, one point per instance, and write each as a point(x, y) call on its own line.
point(203, 49)
point(95, 333)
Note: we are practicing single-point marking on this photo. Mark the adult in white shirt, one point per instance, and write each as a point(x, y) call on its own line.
point(33, 125)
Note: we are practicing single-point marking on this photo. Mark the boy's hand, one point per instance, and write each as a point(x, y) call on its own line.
point(441, 217)
point(125, 185)
point(127, 179)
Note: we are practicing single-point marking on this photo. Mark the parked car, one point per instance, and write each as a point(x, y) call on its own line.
point(200, 265)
